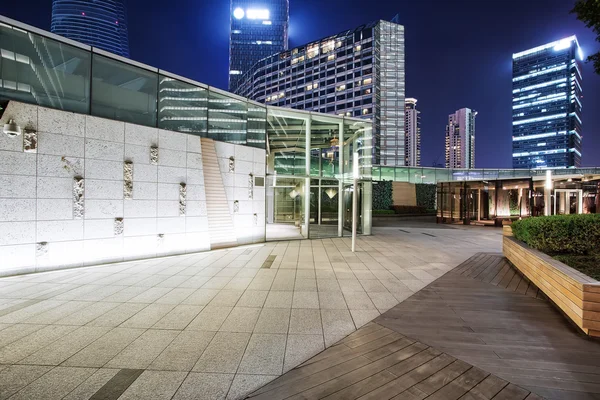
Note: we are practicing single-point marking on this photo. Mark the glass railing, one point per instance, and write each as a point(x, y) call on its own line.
point(435, 175)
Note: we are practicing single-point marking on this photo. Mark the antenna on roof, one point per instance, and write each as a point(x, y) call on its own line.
point(396, 19)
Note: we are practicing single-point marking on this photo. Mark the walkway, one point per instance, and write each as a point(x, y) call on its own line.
point(481, 331)
point(210, 325)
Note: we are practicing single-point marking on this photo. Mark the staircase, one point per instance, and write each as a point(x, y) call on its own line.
point(220, 222)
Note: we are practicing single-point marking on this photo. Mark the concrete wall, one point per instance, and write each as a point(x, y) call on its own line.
point(66, 199)
point(404, 194)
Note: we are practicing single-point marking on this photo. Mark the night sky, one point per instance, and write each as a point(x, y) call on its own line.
point(458, 53)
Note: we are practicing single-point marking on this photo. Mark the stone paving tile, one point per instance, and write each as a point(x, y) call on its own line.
point(264, 355)
point(306, 300)
point(201, 297)
point(273, 320)
point(204, 386)
point(253, 298)
point(226, 298)
point(66, 346)
point(224, 353)
point(300, 348)
point(210, 319)
point(15, 377)
point(183, 352)
point(361, 317)
point(55, 384)
point(245, 384)
point(332, 301)
point(118, 315)
point(144, 350)
point(156, 385)
point(241, 319)
point(148, 316)
point(279, 299)
point(313, 295)
point(98, 353)
point(179, 317)
point(305, 321)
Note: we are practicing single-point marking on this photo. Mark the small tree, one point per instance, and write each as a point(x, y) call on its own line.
point(588, 12)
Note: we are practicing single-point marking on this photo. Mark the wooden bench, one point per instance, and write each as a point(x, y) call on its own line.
point(576, 294)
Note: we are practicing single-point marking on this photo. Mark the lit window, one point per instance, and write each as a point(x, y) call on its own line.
point(367, 81)
point(357, 48)
point(331, 57)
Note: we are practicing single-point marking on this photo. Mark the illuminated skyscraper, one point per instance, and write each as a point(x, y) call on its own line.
point(259, 28)
point(460, 139)
point(412, 127)
point(100, 24)
point(356, 73)
point(547, 106)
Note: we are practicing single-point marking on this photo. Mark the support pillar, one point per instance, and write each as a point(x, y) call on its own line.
point(307, 180)
point(341, 181)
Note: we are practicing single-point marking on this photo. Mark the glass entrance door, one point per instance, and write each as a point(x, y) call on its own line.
point(348, 191)
point(324, 206)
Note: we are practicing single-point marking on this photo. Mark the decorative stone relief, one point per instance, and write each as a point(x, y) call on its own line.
point(72, 166)
point(78, 200)
point(250, 186)
point(154, 155)
point(41, 249)
point(30, 141)
point(236, 206)
point(182, 199)
point(128, 180)
point(231, 164)
point(255, 219)
point(119, 226)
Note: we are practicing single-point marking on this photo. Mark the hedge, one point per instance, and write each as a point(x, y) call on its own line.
point(410, 210)
point(382, 195)
point(560, 234)
point(426, 195)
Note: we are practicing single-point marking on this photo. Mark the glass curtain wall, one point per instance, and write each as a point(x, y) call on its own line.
point(66, 75)
point(311, 156)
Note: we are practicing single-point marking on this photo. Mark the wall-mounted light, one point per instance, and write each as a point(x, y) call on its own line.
point(12, 129)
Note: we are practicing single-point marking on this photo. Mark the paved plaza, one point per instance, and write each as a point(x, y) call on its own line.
point(210, 325)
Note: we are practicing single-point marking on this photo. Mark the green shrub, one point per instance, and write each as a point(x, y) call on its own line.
point(383, 212)
point(560, 234)
point(382, 195)
point(426, 195)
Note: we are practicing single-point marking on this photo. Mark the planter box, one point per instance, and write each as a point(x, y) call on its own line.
point(576, 294)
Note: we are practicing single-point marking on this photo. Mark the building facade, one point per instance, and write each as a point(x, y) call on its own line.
point(412, 127)
point(105, 170)
point(259, 28)
point(547, 106)
point(100, 24)
point(460, 139)
point(358, 73)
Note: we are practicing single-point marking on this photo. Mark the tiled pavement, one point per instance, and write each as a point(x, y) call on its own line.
point(209, 325)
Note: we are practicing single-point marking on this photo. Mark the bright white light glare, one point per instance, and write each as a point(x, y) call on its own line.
point(563, 44)
point(238, 13)
point(267, 23)
point(355, 169)
point(258, 14)
point(234, 72)
point(580, 52)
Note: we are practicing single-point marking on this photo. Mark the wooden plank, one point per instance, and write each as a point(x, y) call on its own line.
point(442, 377)
point(505, 268)
point(410, 378)
point(363, 387)
point(512, 392)
point(461, 385)
point(486, 389)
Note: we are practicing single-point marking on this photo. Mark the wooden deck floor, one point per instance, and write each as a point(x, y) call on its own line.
point(479, 332)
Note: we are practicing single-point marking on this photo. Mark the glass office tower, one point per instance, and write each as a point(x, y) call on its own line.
point(100, 24)
point(259, 28)
point(358, 73)
point(547, 106)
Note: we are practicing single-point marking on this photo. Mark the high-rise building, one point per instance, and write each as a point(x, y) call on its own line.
point(547, 106)
point(460, 139)
point(259, 28)
point(412, 131)
point(100, 24)
point(359, 73)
